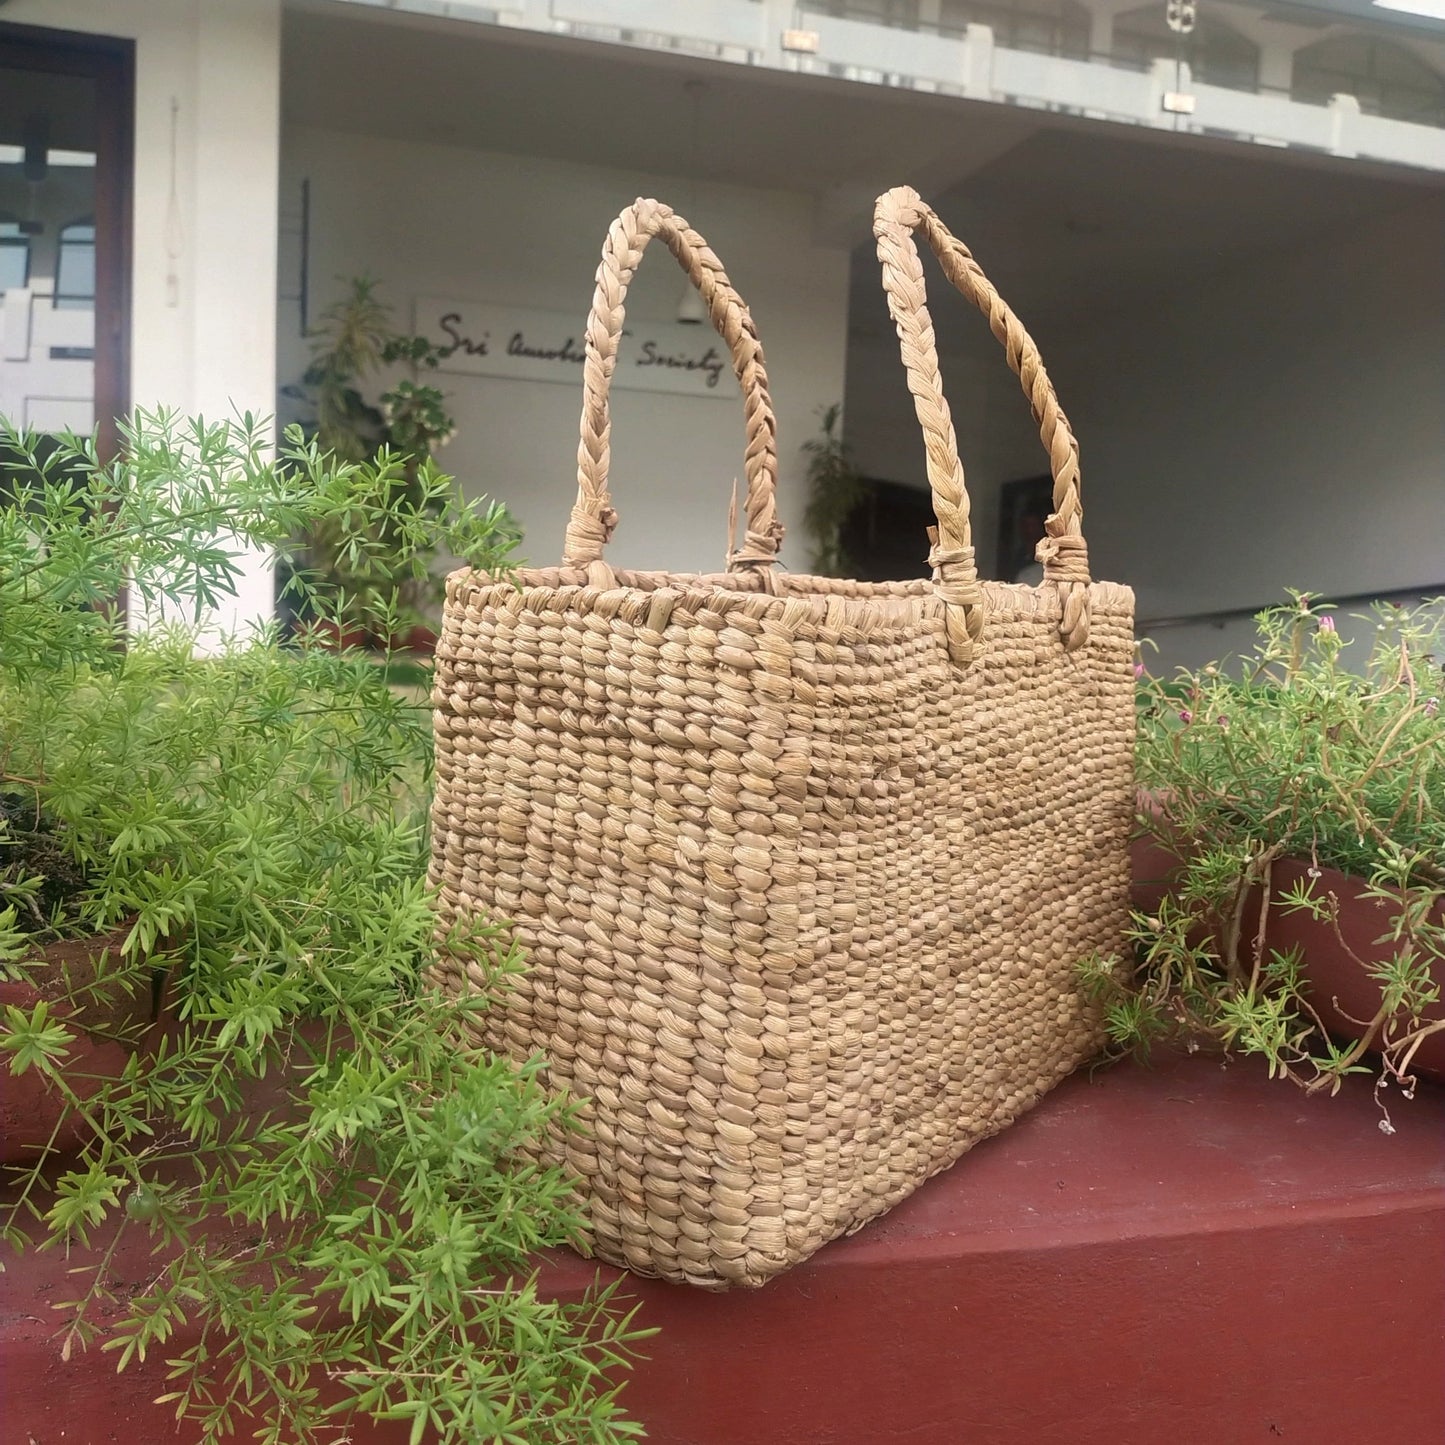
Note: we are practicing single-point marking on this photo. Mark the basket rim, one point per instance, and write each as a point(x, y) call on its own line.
point(642, 596)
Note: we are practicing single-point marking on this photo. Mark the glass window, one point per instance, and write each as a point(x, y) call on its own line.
point(66, 112)
point(1216, 54)
point(75, 266)
point(1385, 78)
point(14, 256)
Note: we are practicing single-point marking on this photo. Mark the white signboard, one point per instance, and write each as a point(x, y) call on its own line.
point(483, 339)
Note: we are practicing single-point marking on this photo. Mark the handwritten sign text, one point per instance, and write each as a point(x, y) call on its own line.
point(534, 345)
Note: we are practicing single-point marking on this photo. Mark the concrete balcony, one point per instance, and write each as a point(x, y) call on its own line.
point(969, 63)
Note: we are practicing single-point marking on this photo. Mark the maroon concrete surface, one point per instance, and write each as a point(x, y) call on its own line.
point(1184, 1256)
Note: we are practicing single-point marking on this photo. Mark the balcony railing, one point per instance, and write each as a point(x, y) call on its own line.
point(782, 35)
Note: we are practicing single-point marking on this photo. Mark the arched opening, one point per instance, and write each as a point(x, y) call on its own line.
point(1384, 77)
point(1048, 27)
point(902, 14)
point(75, 266)
point(1215, 54)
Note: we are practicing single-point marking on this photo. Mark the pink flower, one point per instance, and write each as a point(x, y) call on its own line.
point(1139, 669)
point(1222, 720)
point(1185, 716)
point(1327, 624)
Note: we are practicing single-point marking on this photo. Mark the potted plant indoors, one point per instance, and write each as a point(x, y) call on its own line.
point(364, 601)
point(1292, 868)
point(835, 491)
point(213, 925)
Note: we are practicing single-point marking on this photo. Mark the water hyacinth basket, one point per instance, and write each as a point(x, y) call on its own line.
point(803, 866)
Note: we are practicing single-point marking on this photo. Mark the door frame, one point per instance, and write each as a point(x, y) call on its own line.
point(110, 62)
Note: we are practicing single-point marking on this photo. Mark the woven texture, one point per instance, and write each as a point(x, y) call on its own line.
point(803, 866)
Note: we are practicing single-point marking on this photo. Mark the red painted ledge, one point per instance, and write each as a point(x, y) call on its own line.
point(1153, 1256)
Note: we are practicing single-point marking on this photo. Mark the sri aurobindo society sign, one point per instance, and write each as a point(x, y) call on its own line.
point(483, 339)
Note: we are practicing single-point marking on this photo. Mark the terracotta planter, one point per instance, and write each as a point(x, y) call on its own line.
point(1338, 988)
point(1157, 853)
point(419, 641)
point(108, 1034)
point(107, 1030)
point(1343, 994)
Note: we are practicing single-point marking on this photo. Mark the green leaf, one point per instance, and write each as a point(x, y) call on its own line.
point(35, 1039)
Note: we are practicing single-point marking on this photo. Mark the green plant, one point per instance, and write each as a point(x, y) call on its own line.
point(340, 1192)
point(354, 342)
point(1292, 753)
point(834, 492)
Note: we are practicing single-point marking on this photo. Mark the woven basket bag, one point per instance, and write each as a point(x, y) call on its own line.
point(803, 867)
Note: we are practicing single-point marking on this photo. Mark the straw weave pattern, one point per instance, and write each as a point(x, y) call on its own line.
point(802, 900)
point(803, 893)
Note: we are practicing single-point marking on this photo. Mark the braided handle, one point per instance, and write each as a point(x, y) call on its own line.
point(896, 216)
point(593, 516)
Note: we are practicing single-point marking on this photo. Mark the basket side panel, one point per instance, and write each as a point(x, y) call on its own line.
point(803, 905)
point(975, 851)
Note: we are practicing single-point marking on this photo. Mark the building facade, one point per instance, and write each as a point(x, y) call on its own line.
point(1223, 222)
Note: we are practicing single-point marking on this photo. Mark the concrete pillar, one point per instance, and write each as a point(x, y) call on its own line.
point(1276, 66)
point(236, 135)
point(237, 197)
point(777, 16)
point(1101, 22)
point(1344, 114)
point(978, 77)
point(1166, 76)
point(234, 131)
point(1101, 31)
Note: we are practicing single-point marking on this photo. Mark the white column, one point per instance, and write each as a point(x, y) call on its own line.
point(235, 135)
point(234, 132)
point(1101, 22)
point(1165, 76)
point(1344, 123)
point(1101, 31)
point(978, 80)
point(777, 16)
point(1276, 66)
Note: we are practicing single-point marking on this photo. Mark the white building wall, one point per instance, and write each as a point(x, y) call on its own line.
point(203, 342)
point(1280, 424)
point(206, 345)
point(980, 64)
point(454, 223)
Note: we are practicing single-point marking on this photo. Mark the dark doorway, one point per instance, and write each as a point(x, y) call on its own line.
point(885, 538)
point(66, 159)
